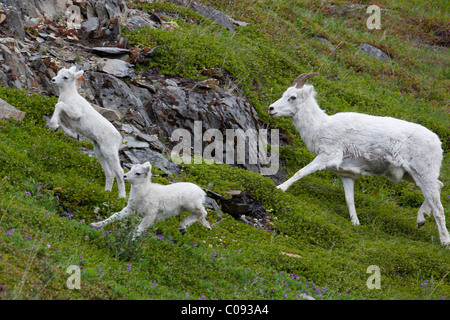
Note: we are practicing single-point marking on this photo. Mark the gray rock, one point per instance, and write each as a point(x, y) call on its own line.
point(115, 67)
point(155, 158)
point(109, 50)
point(136, 22)
point(8, 111)
point(108, 114)
point(112, 93)
point(18, 73)
point(90, 25)
point(373, 52)
point(150, 140)
point(208, 12)
point(326, 41)
point(142, 93)
point(170, 82)
point(173, 108)
point(131, 142)
point(15, 23)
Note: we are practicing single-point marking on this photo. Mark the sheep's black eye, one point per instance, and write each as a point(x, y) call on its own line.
point(138, 173)
point(293, 97)
point(65, 78)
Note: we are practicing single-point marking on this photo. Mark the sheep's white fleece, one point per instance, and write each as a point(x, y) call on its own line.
point(74, 112)
point(354, 144)
point(154, 202)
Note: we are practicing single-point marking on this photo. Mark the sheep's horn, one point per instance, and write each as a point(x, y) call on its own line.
point(301, 79)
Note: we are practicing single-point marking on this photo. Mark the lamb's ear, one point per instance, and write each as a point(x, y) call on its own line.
point(73, 68)
point(78, 74)
point(147, 168)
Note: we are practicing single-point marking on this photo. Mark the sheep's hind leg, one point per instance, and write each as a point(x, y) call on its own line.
point(198, 215)
point(203, 220)
point(349, 184)
point(431, 191)
point(109, 177)
point(424, 212)
point(117, 172)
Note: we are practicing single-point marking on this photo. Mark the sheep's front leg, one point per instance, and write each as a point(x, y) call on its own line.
point(116, 216)
point(320, 162)
point(55, 120)
point(148, 221)
point(349, 184)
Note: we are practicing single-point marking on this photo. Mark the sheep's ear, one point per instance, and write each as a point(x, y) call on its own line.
point(147, 168)
point(73, 68)
point(308, 91)
point(78, 74)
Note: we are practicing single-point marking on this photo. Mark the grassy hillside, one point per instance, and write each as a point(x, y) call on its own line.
point(50, 192)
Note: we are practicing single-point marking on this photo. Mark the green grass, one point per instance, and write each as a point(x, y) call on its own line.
point(50, 191)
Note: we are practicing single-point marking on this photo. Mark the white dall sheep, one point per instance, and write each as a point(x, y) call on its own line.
point(154, 202)
point(354, 144)
point(74, 112)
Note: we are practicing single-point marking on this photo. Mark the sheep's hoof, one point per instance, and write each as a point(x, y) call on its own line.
point(92, 225)
point(182, 231)
point(419, 224)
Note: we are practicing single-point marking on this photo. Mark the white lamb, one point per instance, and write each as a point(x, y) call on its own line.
point(74, 112)
point(353, 144)
point(154, 202)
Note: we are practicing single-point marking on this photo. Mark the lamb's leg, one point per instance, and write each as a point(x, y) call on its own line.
point(56, 119)
point(125, 212)
point(349, 184)
point(424, 212)
point(147, 222)
point(105, 166)
point(203, 220)
point(117, 171)
point(320, 162)
point(188, 221)
point(198, 215)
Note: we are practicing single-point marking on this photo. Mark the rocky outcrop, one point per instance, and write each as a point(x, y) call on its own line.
point(373, 52)
point(8, 111)
point(42, 36)
point(215, 15)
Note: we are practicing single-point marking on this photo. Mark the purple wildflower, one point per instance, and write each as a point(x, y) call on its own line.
point(129, 267)
point(10, 232)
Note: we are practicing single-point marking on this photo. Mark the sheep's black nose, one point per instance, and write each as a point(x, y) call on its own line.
point(270, 108)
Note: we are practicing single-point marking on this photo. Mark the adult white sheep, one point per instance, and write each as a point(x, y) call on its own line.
point(154, 202)
point(354, 144)
point(74, 112)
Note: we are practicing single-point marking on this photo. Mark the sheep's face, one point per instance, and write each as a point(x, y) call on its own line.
point(66, 76)
point(290, 102)
point(138, 173)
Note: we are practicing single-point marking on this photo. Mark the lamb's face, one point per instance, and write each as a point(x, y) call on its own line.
point(290, 102)
point(66, 77)
point(138, 173)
